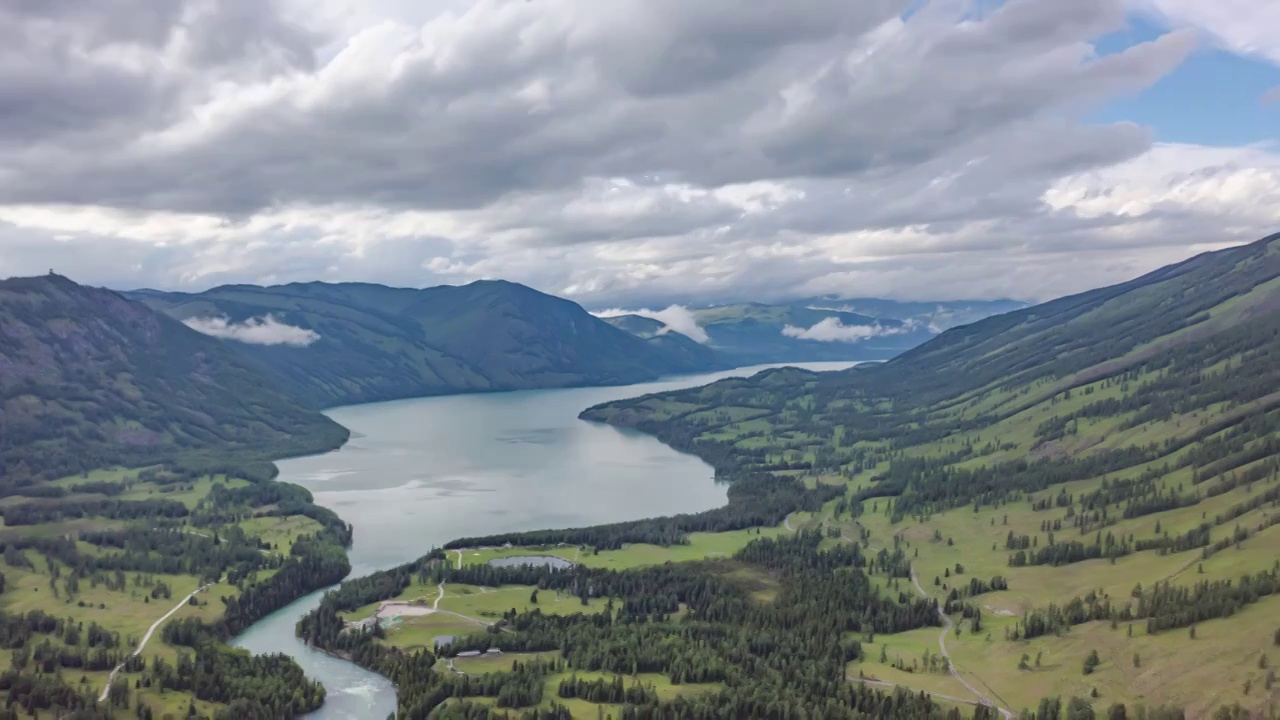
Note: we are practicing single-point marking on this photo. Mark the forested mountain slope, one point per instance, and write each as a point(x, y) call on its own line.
point(1103, 468)
point(1184, 337)
point(91, 379)
point(379, 343)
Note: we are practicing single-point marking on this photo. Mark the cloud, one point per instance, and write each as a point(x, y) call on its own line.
point(1245, 27)
point(254, 331)
point(832, 330)
point(675, 318)
point(824, 147)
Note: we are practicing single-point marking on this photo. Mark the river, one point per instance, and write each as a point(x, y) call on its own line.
point(418, 473)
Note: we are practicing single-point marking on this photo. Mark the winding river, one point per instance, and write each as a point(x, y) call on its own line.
point(418, 473)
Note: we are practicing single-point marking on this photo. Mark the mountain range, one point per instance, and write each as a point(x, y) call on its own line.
point(1092, 482)
point(89, 379)
point(817, 329)
point(361, 343)
point(369, 342)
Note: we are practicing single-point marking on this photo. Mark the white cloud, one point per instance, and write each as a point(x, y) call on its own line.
point(832, 330)
point(254, 331)
point(821, 147)
point(1246, 27)
point(675, 318)
point(1239, 186)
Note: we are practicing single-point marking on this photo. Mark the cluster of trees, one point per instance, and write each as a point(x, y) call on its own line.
point(202, 543)
point(956, 597)
point(600, 690)
point(754, 500)
point(721, 634)
point(1164, 606)
point(252, 686)
point(37, 513)
point(1168, 606)
point(1108, 546)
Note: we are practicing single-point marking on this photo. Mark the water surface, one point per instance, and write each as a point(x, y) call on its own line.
point(418, 473)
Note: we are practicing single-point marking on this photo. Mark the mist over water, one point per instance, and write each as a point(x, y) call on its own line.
point(418, 473)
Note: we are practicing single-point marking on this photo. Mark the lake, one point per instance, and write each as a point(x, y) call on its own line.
point(418, 473)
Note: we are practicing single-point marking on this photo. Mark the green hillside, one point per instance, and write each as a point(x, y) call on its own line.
point(142, 525)
point(380, 343)
point(1090, 488)
point(91, 379)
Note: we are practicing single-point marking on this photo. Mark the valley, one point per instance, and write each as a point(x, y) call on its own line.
point(1062, 510)
point(1085, 493)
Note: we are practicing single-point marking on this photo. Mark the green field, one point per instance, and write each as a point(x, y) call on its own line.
point(132, 609)
point(1145, 414)
point(701, 546)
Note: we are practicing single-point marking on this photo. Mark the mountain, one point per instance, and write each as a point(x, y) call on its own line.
point(673, 343)
point(759, 333)
point(817, 329)
point(937, 316)
point(372, 342)
point(755, 333)
point(1093, 481)
point(89, 378)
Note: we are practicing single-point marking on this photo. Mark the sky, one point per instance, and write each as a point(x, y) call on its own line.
point(637, 151)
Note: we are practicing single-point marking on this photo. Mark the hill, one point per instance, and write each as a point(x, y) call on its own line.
point(759, 333)
point(938, 316)
point(756, 333)
point(1089, 488)
point(89, 378)
point(378, 343)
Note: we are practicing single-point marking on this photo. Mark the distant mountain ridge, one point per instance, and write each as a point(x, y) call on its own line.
point(380, 343)
point(760, 333)
point(90, 378)
point(938, 316)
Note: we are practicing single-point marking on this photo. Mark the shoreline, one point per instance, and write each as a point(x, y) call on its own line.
point(640, 390)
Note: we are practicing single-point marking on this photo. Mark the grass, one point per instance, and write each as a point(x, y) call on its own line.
point(578, 708)
point(490, 603)
point(909, 647)
point(1215, 665)
point(189, 493)
point(497, 662)
point(131, 612)
point(1198, 674)
point(422, 630)
point(281, 532)
point(701, 546)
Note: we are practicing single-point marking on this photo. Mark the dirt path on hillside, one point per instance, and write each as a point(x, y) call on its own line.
point(942, 647)
point(147, 638)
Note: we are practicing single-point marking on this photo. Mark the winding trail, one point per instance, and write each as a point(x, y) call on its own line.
point(436, 605)
point(146, 638)
point(942, 647)
point(786, 523)
point(459, 558)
